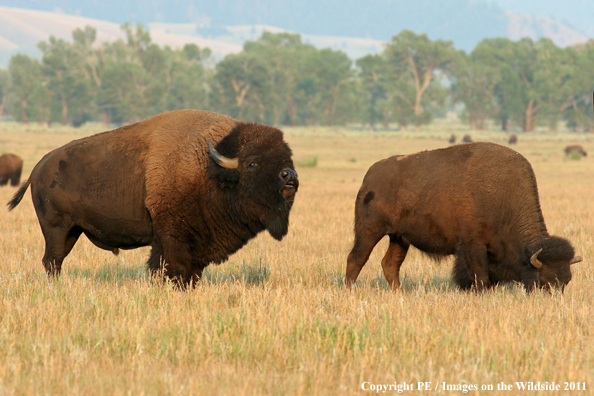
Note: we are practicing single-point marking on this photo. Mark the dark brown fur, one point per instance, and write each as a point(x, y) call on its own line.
point(575, 149)
point(11, 166)
point(513, 139)
point(466, 139)
point(153, 183)
point(477, 201)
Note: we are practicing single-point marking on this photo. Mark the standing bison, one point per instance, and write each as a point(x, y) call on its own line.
point(160, 182)
point(478, 201)
point(467, 139)
point(10, 169)
point(513, 139)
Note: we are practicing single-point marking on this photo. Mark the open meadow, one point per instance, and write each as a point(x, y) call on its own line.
point(275, 319)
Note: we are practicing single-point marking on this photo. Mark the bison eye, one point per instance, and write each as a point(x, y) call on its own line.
point(253, 165)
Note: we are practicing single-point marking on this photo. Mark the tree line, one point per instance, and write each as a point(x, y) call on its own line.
point(280, 80)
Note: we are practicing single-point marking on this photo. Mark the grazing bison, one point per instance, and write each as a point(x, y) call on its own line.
point(575, 149)
point(513, 139)
point(466, 139)
point(477, 201)
point(10, 169)
point(452, 139)
point(160, 182)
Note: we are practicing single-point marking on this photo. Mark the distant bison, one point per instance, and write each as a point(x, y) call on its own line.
point(10, 169)
point(160, 182)
point(575, 149)
point(466, 139)
point(452, 139)
point(477, 201)
point(513, 139)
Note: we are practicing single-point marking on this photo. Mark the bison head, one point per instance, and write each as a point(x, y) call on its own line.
point(547, 263)
point(253, 166)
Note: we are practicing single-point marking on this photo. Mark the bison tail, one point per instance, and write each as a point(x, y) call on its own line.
point(16, 199)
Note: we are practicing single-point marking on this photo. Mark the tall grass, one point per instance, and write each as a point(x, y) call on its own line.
point(275, 319)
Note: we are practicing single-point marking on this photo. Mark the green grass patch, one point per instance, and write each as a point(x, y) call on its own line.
point(309, 163)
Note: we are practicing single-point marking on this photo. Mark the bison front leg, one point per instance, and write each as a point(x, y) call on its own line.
point(471, 267)
point(392, 261)
point(175, 263)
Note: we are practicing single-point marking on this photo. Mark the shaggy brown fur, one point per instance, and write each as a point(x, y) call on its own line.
point(575, 149)
point(154, 183)
point(11, 166)
point(478, 201)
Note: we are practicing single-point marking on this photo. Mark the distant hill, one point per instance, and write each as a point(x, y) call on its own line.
point(357, 27)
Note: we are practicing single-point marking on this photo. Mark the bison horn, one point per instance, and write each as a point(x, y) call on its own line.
point(222, 161)
point(535, 261)
point(576, 260)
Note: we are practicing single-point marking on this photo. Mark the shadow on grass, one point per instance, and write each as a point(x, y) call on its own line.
point(255, 274)
point(111, 273)
point(434, 284)
point(408, 284)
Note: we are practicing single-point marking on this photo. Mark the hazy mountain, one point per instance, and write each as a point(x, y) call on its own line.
point(354, 26)
point(463, 21)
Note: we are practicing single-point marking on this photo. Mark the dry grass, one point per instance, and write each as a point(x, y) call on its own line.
point(275, 319)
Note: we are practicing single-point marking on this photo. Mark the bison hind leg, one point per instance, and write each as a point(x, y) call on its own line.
point(393, 259)
point(471, 267)
point(58, 244)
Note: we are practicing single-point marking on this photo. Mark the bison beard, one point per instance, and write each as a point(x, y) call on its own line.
point(277, 222)
point(195, 186)
point(477, 201)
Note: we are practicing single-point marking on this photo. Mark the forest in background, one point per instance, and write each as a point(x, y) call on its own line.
point(280, 80)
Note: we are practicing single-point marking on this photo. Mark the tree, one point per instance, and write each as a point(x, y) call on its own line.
point(373, 77)
point(417, 62)
point(473, 84)
point(516, 91)
point(123, 94)
point(242, 86)
point(4, 91)
point(132, 77)
point(28, 91)
point(282, 54)
point(188, 79)
point(334, 79)
point(554, 81)
point(579, 114)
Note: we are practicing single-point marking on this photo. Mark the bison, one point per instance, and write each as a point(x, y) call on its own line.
point(452, 139)
point(575, 149)
point(513, 139)
point(11, 166)
point(195, 186)
point(477, 201)
point(466, 139)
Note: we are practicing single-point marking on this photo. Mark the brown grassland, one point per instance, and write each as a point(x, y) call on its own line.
point(275, 319)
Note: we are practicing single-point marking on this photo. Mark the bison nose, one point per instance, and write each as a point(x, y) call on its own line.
point(288, 175)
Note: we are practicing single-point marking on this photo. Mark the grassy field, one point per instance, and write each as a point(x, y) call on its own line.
point(275, 319)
